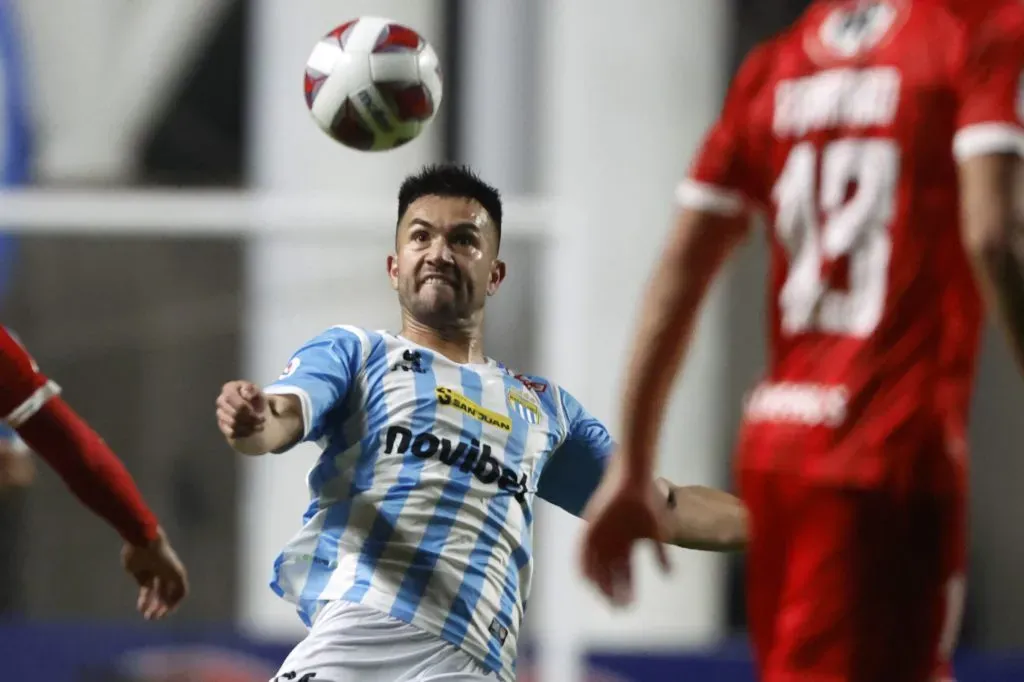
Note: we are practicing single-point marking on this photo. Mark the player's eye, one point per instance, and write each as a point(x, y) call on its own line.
point(466, 240)
point(419, 236)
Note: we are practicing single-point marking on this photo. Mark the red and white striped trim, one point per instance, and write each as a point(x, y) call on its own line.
point(709, 198)
point(988, 138)
point(22, 413)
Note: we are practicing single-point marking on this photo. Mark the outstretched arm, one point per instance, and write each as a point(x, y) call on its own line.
point(696, 251)
point(254, 423)
point(29, 402)
point(703, 518)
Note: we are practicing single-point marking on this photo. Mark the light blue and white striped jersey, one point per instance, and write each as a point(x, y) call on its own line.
point(422, 499)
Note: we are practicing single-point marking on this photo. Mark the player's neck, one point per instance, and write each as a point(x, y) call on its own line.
point(458, 345)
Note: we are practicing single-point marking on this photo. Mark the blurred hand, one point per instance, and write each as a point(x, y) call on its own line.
point(241, 409)
point(162, 579)
point(620, 514)
point(17, 468)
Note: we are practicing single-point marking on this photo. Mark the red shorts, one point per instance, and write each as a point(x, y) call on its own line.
point(852, 585)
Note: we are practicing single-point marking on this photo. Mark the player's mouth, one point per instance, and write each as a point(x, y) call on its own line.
point(438, 280)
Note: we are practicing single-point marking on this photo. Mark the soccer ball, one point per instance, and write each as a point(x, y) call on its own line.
point(373, 84)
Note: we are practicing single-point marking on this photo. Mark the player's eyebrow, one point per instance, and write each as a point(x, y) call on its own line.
point(422, 223)
point(462, 225)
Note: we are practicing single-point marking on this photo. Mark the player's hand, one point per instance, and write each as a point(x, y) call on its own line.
point(620, 514)
point(17, 470)
point(241, 409)
point(162, 579)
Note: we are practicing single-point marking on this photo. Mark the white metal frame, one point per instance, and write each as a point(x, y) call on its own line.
point(180, 213)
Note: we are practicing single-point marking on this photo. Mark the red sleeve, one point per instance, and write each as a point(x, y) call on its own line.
point(722, 177)
point(990, 116)
point(23, 389)
point(57, 434)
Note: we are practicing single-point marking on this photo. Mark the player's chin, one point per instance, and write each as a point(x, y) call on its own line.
point(441, 314)
point(438, 303)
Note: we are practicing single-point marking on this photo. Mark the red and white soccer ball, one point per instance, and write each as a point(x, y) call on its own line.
point(373, 84)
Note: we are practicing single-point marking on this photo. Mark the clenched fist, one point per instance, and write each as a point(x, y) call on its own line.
point(241, 409)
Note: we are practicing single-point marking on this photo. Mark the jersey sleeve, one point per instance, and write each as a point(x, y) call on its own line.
point(23, 388)
point(990, 114)
point(320, 374)
point(571, 475)
point(722, 178)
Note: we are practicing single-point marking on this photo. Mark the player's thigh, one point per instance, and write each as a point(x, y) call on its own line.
point(867, 585)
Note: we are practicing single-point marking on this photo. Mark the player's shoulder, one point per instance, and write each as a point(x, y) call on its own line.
point(758, 66)
point(981, 13)
point(1005, 22)
point(349, 333)
point(348, 342)
point(981, 22)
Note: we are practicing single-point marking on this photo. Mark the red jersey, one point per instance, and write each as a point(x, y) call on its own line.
point(846, 131)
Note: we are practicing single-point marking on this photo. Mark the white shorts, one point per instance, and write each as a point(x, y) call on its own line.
point(355, 643)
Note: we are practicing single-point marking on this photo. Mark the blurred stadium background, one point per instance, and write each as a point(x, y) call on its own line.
point(173, 219)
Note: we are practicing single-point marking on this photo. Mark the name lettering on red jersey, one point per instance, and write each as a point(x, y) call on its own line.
point(804, 404)
point(851, 98)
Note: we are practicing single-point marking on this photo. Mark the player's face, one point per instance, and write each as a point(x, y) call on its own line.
point(446, 260)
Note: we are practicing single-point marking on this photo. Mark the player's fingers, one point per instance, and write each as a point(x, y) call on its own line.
point(153, 603)
point(239, 423)
point(228, 426)
point(142, 600)
point(174, 591)
point(249, 414)
point(600, 570)
point(248, 391)
point(662, 553)
point(226, 416)
point(615, 584)
point(231, 398)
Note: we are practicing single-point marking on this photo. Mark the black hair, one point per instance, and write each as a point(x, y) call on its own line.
point(450, 180)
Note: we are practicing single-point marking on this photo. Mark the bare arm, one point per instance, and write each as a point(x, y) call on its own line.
point(699, 245)
point(991, 231)
point(254, 423)
point(704, 518)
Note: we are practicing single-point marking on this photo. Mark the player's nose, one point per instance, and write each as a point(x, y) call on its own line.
point(440, 251)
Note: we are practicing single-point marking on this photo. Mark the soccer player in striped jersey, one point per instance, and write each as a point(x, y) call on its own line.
point(31, 406)
point(415, 558)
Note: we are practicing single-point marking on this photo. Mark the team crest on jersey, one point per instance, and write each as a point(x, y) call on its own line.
point(447, 396)
point(523, 405)
point(290, 369)
point(856, 27)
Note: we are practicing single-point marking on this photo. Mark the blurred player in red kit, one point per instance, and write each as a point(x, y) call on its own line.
point(31, 405)
point(882, 141)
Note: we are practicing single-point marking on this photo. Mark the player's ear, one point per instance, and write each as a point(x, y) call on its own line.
point(392, 265)
point(497, 276)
